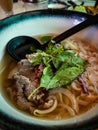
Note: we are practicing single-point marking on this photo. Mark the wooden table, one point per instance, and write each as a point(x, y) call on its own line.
point(17, 8)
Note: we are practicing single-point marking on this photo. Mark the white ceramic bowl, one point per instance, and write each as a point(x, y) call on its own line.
point(32, 24)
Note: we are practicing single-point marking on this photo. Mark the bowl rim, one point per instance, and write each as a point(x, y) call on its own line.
point(6, 119)
point(46, 11)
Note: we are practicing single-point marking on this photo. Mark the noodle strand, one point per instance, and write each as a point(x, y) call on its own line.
point(38, 112)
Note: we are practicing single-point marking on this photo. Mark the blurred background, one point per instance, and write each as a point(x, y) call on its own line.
point(86, 6)
point(18, 6)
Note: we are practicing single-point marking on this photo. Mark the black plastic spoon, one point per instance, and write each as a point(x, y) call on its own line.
point(19, 46)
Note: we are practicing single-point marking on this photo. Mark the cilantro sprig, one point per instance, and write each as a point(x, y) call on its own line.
point(68, 66)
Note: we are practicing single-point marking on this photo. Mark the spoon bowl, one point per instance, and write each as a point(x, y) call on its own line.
point(19, 46)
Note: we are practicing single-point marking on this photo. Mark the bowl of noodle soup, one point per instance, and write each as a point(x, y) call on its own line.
point(52, 89)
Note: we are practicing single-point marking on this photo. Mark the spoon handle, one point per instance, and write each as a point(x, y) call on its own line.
point(75, 29)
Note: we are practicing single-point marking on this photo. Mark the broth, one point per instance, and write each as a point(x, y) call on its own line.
point(66, 107)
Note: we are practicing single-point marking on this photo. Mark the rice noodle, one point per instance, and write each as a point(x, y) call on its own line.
point(75, 87)
point(85, 100)
point(69, 109)
point(70, 96)
point(96, 89)
point(81, 101)
point(93, 89)
point(38, 112)
point(61, 97)
point(63, 105)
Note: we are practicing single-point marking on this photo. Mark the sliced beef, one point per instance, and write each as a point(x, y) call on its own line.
point(17, 95)
point(22, 66)
point(48, 102)
point(39, 97)
point(22, 82)
point(33, 73)
point(27, 79)
point(23, 103)
point(25, 65)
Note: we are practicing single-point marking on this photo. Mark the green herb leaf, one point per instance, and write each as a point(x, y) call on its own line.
point(45, 39)
point(67, 66)
point(46, 77)
point(64, 76)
